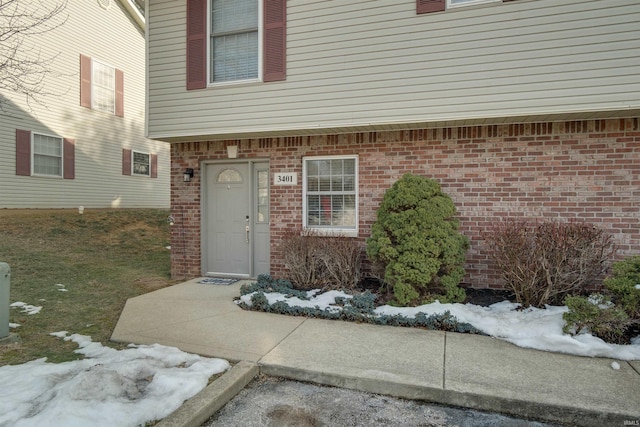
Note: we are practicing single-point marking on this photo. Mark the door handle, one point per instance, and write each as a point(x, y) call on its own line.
point(246, 229)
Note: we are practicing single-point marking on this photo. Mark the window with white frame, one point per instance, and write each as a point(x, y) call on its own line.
point(140, 163)
point(234, 35)
point(457, 3)
point(330, 191)
point(103, 87)
point(47, 155)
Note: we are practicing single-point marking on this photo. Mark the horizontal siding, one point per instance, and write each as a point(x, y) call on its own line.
point(112, 37)
point(357, 63)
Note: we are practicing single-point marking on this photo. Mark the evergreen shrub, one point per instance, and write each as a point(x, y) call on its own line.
point(416, 243)
point(624, 285)
point(598, 315)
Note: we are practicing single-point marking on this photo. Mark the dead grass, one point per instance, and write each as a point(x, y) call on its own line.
point(101, 258)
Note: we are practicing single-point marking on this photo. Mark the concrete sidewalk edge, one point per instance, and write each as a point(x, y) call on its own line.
point(511, 407)
point(203, 405)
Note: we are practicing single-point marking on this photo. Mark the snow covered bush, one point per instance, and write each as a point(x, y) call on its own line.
point(624, 285)
point(597, 315)
point(416, 242)
point(542, 263)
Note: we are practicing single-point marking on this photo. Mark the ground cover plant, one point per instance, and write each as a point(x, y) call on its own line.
point(355, 308)
point(80, 269)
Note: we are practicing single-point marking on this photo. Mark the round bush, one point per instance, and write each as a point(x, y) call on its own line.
point(415, 239)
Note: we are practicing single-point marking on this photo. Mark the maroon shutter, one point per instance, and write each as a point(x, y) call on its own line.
point(154, 166)
point(428, 6)
point(85, 81)
point(119, 93)
point(196, 44)
point(126, 162)
point(275, 40)
point(69, 159)
point(23, 152)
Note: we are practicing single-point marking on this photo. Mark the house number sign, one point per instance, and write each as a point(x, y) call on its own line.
point(285, 178)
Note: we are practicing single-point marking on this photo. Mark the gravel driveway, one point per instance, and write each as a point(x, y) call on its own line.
point(272, 402)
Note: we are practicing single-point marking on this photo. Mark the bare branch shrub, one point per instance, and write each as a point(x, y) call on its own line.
point(301, 253)
point(341, 257)
point(542, 263)
point(325, 261)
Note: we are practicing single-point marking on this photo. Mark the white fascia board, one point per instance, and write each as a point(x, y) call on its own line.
point(134, 12)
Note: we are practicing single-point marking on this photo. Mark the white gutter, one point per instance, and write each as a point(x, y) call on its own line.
point(134, 12)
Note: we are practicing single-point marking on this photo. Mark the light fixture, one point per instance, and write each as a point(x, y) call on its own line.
point(188, 174)
point(232, 151)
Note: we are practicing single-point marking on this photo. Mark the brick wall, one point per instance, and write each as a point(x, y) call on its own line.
point(584, 170)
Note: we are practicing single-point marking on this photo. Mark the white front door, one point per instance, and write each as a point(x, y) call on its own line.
point(236, 223)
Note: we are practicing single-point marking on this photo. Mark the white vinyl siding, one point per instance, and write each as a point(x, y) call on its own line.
point(357, 64)
point(111, 36)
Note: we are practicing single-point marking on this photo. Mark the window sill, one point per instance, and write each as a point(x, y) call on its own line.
point(234, 83)
point(333, 232)
point(37, 175)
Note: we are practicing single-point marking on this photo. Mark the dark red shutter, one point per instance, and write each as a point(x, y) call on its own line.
point(85, 81)
point(119, 93)
point(23, 152)
point(275, 40)
point(428, 6)
point(126, 162)
point(154, 166)
point(69, 159)
point(196, 44)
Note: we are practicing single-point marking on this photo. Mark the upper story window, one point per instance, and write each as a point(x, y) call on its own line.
point(330, 191)
point(47, 155)
point(103, 87)
point(234, 36)
point(235, 41)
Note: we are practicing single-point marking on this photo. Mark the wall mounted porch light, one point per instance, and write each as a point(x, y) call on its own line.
point(232, 151)
point(188, 174)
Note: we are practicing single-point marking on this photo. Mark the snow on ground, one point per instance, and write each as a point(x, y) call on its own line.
point(26, 308)
point(536, 328)
point(107, 388)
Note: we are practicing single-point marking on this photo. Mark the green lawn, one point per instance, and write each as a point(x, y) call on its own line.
point(101, 258)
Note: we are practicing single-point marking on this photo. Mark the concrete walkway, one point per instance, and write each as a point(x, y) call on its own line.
point(453, 369)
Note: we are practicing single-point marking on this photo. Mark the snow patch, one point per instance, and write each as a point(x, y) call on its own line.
point(26, 308)
point(108, 388)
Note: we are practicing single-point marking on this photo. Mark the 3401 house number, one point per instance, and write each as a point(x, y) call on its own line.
point(288, 178)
